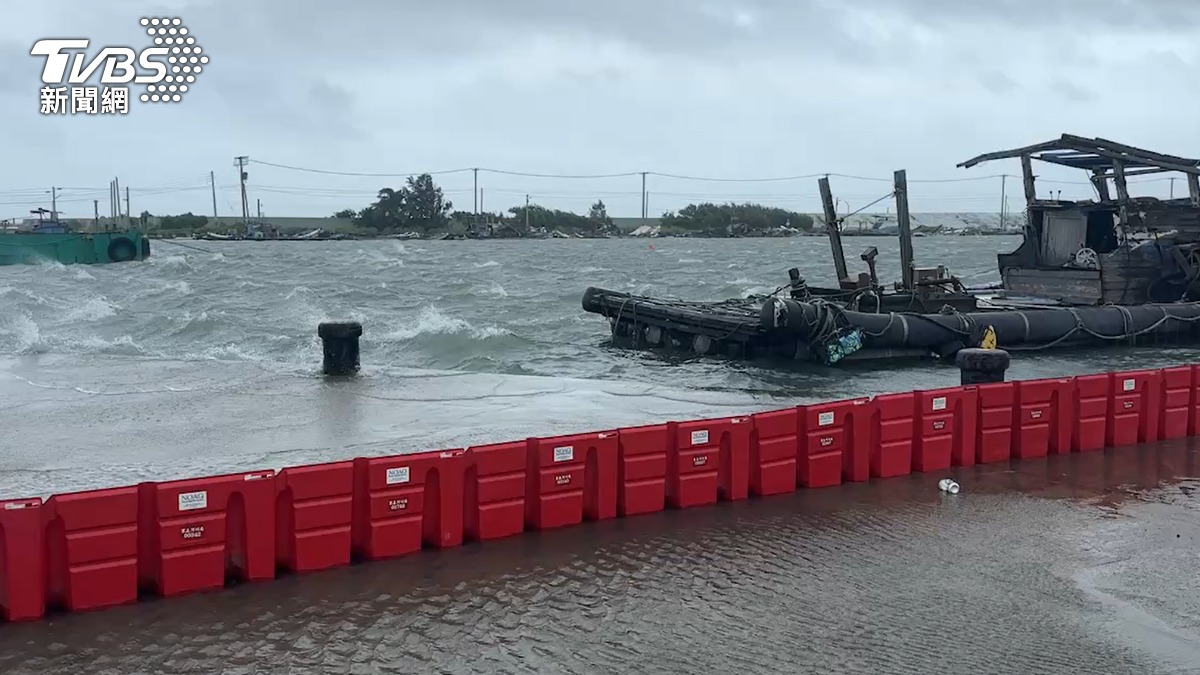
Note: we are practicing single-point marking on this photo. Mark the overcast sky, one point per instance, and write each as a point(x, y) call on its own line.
point(735, 90)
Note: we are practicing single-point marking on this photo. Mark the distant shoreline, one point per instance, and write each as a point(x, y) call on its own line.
point(463, 237)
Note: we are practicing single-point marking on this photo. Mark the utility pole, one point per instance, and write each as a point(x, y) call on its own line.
point(1172, 179)
point(259, 208)
point(54, 204)
point(241, 165)
point(212, 181)
point(526, 213)
point(96, 220)
point(117, 195)
point(480, 200)
point(1003, 181)
point(476, 191)
point(128, 213)
point(643, 198)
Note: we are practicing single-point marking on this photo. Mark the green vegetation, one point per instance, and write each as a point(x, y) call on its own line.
point(419, 206)
point(719, 220)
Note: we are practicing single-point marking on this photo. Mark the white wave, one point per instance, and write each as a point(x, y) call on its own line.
point(432, 321)
point(490, 263)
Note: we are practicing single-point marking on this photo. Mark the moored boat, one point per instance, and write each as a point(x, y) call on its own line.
point(56, 242)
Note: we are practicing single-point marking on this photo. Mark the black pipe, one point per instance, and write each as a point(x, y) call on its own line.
point(1014, 327)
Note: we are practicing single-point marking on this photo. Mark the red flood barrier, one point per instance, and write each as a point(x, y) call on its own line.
point(892, 427)
point(642, 469)
point(1042, 424)
point(995, 423)
point(1177, 396)
point(1090, 405)
point(570, 477)
point(1132, 408)
point(494, 490)
point(194, 533)
point(21, 581)
point(946, 427)
point(405, 501)
point(92, 548)
point(313, 516)
point(828, 443)
point(773, 452)
point(709, 460)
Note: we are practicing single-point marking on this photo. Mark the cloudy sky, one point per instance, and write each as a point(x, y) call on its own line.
point(701, 88)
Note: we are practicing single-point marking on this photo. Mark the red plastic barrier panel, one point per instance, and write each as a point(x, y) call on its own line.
point(1043, 421)
point(313, 516)
point(1090, 405)
point(828, 440)
point(773, 450)
point(1177, 393)
point(1132, 408)
point(642, 469)
point(1194, 415)
point(570, 476)
point(92, 548)
point(494, 491)
point(892, 428)
point(996, 422)
point(21, 545)
point(404, 501)
point(709, 460)
point(946, 427)
point(193, 533)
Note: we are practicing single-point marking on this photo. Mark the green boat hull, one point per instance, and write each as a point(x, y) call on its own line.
point(73, 248)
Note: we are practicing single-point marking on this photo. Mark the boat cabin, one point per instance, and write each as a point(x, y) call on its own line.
point(1114, 249)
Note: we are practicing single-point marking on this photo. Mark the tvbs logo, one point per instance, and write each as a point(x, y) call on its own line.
point(167, 69)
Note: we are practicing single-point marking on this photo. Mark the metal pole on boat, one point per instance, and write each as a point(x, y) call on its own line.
point(128, 213)
point(54, 204)
point(1003, 201)
point(212, 181)
point(96, 220)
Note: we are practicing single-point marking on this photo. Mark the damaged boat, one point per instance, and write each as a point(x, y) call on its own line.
point(1114, 270)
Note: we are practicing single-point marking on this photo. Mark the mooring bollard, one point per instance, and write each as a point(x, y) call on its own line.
point(340, 343)
point(981, 366)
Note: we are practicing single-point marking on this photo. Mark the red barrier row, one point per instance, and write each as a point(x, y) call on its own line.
point(102, 548)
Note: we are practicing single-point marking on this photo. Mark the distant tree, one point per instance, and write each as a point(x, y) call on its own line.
point(349, 214)
point(598, 214)
point(708, 219)
point(144, 219)
point(419, 205)
point(186, 221)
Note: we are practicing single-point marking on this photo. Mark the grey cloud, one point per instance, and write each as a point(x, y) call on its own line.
point(702, 87)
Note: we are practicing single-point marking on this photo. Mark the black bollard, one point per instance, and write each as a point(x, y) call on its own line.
point(340, 342)
point(981, 366)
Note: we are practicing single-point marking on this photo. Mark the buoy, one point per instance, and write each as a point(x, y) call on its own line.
point(651, 247)
point(948, 485)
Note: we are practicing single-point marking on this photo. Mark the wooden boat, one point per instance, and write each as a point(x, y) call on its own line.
point(1088, 273)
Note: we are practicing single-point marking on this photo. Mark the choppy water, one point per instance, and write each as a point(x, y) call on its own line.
point(196, 363)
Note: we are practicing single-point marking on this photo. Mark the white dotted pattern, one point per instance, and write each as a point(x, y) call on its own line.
point(185, 56)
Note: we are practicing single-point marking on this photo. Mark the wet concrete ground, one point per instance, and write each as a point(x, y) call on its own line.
point(1078, 564)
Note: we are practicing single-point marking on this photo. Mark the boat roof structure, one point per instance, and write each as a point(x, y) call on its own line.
point(1097, 155)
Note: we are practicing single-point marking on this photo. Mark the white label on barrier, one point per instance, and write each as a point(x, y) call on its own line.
point(700, 460)
point(939, 403)
point(397, 475)
point(563, 479)
point(824, 419)
point(1129, 385)
point(194, 532)
point(1035, 414)
point(191, 501)
point(826, 441)
point(397, 504)
point(564, 453)
point(700, 437)
point(14, 506)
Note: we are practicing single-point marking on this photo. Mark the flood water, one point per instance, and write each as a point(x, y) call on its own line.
point(203, 362)
point(1074, 564)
